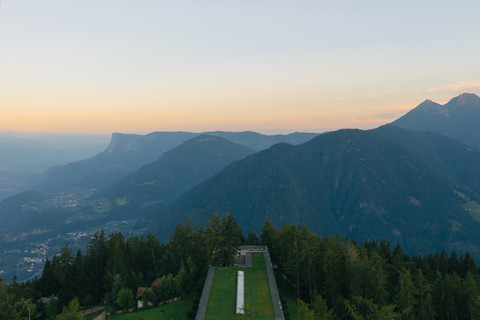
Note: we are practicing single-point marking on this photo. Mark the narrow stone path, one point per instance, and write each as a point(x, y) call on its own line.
point(101, 316)
point(96, 309)
point(277, 304)
point(248, 260)
point(202, 306)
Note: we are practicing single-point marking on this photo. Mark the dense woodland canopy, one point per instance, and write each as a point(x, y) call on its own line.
point(373, 280)
point(333, 277)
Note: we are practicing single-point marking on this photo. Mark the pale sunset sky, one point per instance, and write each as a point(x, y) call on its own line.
point(102, 66)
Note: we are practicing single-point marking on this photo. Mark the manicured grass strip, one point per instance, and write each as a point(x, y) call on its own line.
point(257, 290)
point(221, 303)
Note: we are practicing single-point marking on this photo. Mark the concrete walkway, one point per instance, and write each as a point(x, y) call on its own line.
point(202, 306)
point(248, 260)
point(101, 316)
point(277, 304)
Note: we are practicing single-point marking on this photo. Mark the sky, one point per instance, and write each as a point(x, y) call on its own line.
point(264, 65)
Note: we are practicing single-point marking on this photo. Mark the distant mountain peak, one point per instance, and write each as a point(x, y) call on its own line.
point(428, 104)
point(458, 119)
point(465, 99)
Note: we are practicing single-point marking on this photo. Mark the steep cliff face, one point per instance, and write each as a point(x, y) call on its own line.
point(125, 154)
point(122, 142)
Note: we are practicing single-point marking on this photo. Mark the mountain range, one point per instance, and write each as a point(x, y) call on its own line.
point(458, 119)
point(415, 182)
point(126, 153)
point(159, 183)
point(418, 189)
point(72, 188)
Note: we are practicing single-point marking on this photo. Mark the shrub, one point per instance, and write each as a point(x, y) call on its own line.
point(125, 299)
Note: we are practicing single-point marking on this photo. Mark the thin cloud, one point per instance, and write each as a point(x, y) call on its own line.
point(391, 114)
point(460, 86)
point(368, 123)
point(394, 112)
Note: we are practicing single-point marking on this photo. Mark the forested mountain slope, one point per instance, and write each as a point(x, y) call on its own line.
point(126, 153)
point(174, 173)
point(417, 189)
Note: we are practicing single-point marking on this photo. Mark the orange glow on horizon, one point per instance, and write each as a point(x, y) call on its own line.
point(267, 112)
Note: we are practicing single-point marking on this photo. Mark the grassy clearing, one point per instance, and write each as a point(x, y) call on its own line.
point(122, 201)
point(222, 300)
point(471, 206)
point(474, 209)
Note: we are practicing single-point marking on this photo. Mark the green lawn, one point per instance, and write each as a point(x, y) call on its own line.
point(222, 300)
point(175, 311)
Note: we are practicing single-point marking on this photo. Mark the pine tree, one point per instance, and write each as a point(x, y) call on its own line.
point(406, 296)
point(471, 293)
point(366, 309)
point(225, 236)
point(97, 257)
point(8, 309)
point(321, 310)
point(180, 244)
point(303, 311)
point(252, 239)
point(49, 282)
point(425, 303)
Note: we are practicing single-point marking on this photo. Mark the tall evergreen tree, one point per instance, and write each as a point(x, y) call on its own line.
point(97, 257)
point(225, 236)
point(180, 244)
point(425, 302)
point(406, 295)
